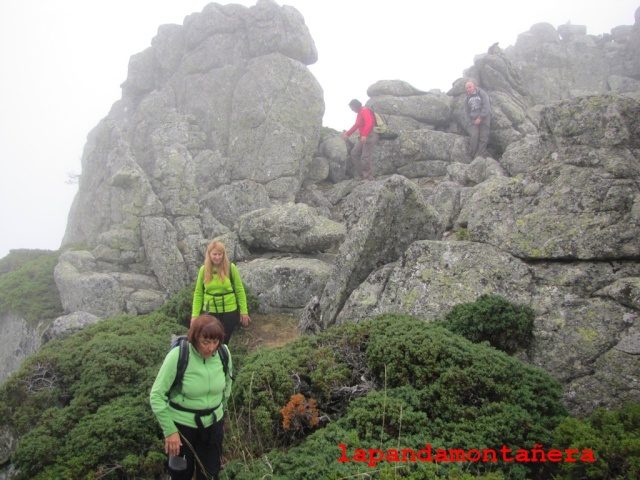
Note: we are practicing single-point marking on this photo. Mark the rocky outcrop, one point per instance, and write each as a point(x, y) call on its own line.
point(395, 217)
point(85, 286)
point(286, 283)
point(219, 117)
point(557, 64)
point(561, 238)
point(218, 135)
point(580, 201)
point(432, 277)
point(19, 340)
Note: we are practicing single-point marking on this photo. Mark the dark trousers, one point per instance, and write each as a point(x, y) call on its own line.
point(208, 452)
point(479, 137)
point(229, 320)
point(361, 155)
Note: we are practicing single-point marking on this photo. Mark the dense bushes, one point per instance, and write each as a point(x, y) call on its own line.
point(91, 417)
point(27, 286)
point(505, 325)
point(417, 384)
point(268, 380)
point(81, 405)
point(614, 438)
point(303, 411)
point(179, 307)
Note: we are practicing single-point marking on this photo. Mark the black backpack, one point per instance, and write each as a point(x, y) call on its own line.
point(183, 359)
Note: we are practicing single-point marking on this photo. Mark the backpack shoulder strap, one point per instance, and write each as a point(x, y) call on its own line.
point(224, 358)
point(378, 118)
point(183, 361)
point(231, 265)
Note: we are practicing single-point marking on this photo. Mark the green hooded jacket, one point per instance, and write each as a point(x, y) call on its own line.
point(218, 297)
point(204, 386)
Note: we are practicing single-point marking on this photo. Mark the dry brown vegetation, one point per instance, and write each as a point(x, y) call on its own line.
point(269, 331)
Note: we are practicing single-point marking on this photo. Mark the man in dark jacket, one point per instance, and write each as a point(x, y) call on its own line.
point(363, 150)
point(477, 109)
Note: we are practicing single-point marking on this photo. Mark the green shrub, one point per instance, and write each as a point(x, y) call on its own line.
point(180, 306)
point(253, 302)
point(426, 386)
point(491, 318)
point(93, 413)
point(268, 379)
point(462, 234)
point(27, 286)
point(18, 257)
point(81, 404)
point(612, 436)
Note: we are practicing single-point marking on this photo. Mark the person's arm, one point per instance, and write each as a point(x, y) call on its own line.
point(349, 132)
point(198, 295)
point(359, 123)
point(241, 296)
point(485, 110)
point(159, 395)
point(228, 380)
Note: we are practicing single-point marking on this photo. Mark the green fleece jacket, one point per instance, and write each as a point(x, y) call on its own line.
point(217, 296)
point(204, 386)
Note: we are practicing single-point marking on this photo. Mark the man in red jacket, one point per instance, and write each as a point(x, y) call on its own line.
point(363, 149)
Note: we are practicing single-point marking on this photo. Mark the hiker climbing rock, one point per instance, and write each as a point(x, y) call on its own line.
point(477, 109)
point(362, 152)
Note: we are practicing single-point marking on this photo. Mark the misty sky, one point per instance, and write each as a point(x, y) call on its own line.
point(62, 63)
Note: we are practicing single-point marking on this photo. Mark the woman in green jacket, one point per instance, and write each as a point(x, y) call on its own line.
point(219, 291)
point(191, 414)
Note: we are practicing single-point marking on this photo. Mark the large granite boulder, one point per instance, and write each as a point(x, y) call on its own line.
point(84, 286)
point(289, 228)
point(285, 284)
point(218, 117)
point(395, 218)
point(431, 277)
point(67, 325)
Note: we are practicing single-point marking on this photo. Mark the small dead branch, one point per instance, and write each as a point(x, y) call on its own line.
point(43, 378)
point(310, 318)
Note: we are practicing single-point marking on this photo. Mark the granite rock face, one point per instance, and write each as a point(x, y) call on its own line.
point(218, 118)
point(560, 236)
point(218, 135)
point(20, 339)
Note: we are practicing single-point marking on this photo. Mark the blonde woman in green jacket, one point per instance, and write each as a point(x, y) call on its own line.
point(191, 414)
point(219, 291)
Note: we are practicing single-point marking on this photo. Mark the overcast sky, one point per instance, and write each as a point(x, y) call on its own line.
point(62, 63)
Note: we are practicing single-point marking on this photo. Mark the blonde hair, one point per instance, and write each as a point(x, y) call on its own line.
point(225, 266)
